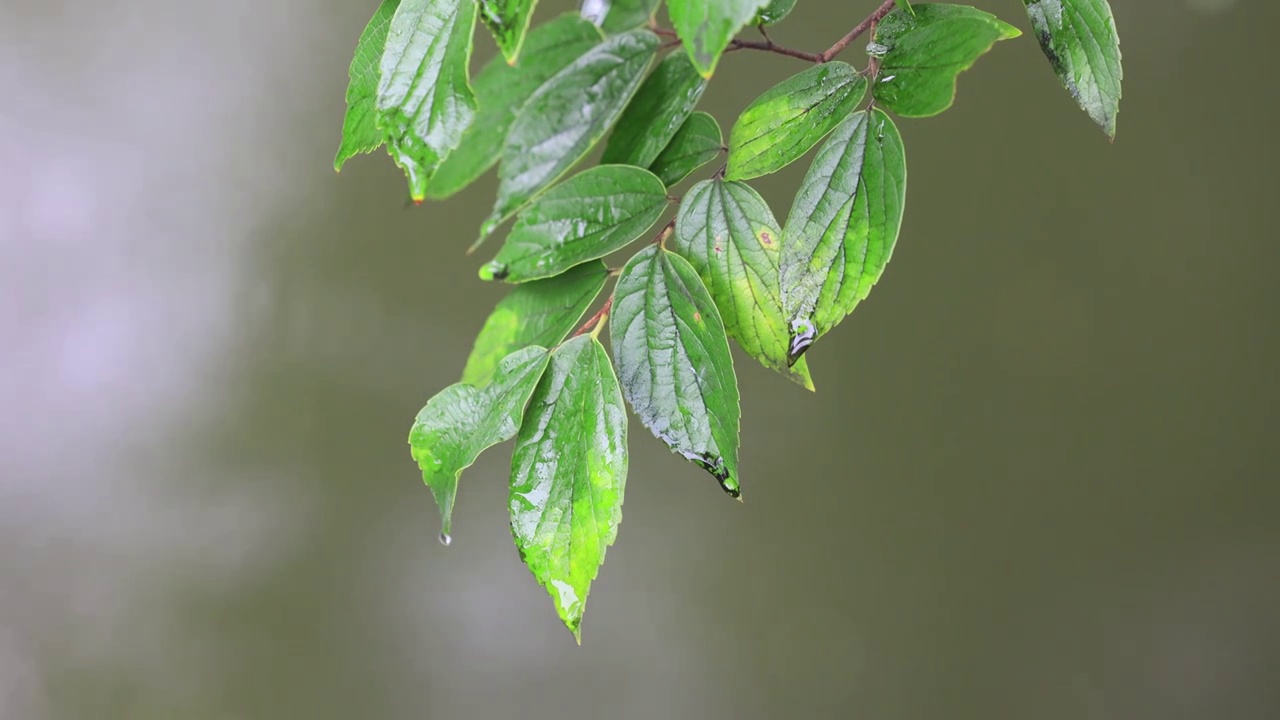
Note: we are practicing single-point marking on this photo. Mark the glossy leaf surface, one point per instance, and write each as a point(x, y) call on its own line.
point(695, 144)
point(774, 12)
point(729, 235)
point(542, 312)
point(615, 16)
point(586, 217)
point(568, 475)
point(462, 421)
point(660, 107)
point(924, 52)
point(674, 362)
point(843, 226)
point(705, 27)
point(360, 133)
point(508, 21)
point(1079, 38)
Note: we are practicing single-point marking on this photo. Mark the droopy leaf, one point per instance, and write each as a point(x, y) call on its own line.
point(659, 108)
point(462, 421)
point(424, 100)
point(674, 362)
point(508, 20)
point(696, 143)
point(924, 51)
point(774, 12)
point(1079, 38)
point(500, 91)
point(567, 116)
point(790, 118)
point(568, 474)
point(706, 27)
point(360, 132)
point(843, 226)
point(586, 217)
point(615, 16)
point(729, 235)
point(542, 312)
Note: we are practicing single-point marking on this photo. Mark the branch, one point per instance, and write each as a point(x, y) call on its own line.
point(596, 320)
point(870, 22)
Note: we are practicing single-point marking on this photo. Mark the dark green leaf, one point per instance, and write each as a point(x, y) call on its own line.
point(567, 116)
point(462, 421)
point(543, 313)
point(658, 110)
point(508, 20)
point(568, 474)
point(843, 225)
point(586, 217)
point(1079, 38)
point(731, 238)
point(924, 51)
point(707, 26)
point(500, 92)
point(774, 12)
point(791, 117)
point(697, 143)
point(673, 358)
point(615, 16)
point(424, 100)
point(360, 132)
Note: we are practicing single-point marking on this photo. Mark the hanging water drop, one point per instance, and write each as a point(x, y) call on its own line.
point(446, 539)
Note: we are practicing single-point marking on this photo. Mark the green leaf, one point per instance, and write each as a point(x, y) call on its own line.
point(424, 100)
point(586, 217)
point(360, 132)
point(500, 92)
point(615, 16)
point(706, 27)
point(924, 52)
point(566, 117)
point(658, 110)
point(905, 6)
point(673, 358)
point(843, 226)
point(729, 235)
point(697, 142)
point(774, 12)
point(568, 474)
point(784, 123)
point(462, 421)
point(508, 21)
point(543, 313)
point(1079, 38)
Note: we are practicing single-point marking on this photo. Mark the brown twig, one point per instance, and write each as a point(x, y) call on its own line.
point(869, 23)
point(596, 320)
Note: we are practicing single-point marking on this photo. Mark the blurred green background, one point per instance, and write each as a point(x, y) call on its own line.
point(1038, 478)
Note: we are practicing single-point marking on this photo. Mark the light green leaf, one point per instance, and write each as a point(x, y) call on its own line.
point(543, 313)
point(568, 474)
point(1079, 38)
point(566, 117)
point(462, 421)
point(424, 100)
point(706, 27)
point(658, 110)
point(500, 92)
point(697, 143)
point(360, 132)
point(615, 16)
point(924, 52)
point(791, 117)
point(729, 235)
point(774, 12)
point(508, 21)
point(586, 217)
point(674, 362)
point(905, 6)
point(843, 226)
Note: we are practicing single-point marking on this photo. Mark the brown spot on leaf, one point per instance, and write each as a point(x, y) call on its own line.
point(697, 316)
point(765, 237)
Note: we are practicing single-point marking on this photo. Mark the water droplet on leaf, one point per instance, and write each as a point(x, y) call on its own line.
point(446, 539)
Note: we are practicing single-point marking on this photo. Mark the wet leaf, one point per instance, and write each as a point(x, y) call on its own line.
point(586, 217)
point(568, 474)
point(462, 421)
point(706, 27)
point(566, 117)
point(905, 6)
point(615, 16)
point(659, 108)
point(784, 123)
point(729, 235)
point(697, 142)
point(924, 52)
point(843, 225)
point(674, 362)
point(424, 100)
point(360, 132)
point(774, 12)
point(1079, 38)
point(502, 89)
point(542, 312)
point(508, 21)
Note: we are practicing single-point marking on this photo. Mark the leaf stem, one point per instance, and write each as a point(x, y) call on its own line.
point(595, 322)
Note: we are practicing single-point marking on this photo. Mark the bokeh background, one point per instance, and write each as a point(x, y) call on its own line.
point(1038, 479)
